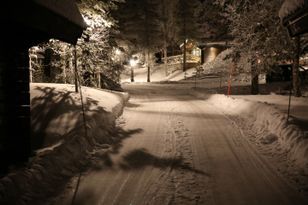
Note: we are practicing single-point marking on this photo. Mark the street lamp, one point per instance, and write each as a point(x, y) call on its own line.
point(132, 62)
point(117, 51)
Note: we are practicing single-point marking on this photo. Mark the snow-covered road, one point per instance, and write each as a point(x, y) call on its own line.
point(176, 150)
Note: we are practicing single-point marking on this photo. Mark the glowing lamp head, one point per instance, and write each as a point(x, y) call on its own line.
point(133, 62)
point(117, 51)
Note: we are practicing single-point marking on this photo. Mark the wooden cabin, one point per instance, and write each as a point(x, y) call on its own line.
point(25, 24)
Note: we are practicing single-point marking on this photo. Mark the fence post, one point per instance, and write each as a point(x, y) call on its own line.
point(75, 69)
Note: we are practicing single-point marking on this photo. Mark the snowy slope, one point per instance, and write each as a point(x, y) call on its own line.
point(58, 127)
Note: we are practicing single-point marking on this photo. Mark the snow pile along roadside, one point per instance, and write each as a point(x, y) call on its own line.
point(62, 144)
point(269, 122)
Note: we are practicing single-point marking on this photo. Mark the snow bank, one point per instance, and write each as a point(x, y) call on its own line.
point(56, 108)
point(65, 145)
point(266, 119)
point(290, 6)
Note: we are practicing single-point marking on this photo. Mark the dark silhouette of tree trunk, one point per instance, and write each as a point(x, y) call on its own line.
point(132, 74)
point(295, 72)
point(254, 77)
point(187, 24)
point(149, 69)
point(166, 58)
point(184, 56)
point(202, 55)
point(167, 15)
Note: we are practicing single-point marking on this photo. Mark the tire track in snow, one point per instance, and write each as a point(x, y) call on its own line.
point(187, 186)
point(254, 173)
point(179, 183)
point(138, 183)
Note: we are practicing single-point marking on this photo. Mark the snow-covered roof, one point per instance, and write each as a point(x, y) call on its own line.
point(290, 6)
point(60, 19)
point(65, 8)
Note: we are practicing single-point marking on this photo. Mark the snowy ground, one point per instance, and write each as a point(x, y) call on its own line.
point(183, 150)
point(176, 143)
point(266, 125)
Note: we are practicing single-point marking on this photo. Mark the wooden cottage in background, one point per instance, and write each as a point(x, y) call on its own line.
point(210, 50)
point(25, 24)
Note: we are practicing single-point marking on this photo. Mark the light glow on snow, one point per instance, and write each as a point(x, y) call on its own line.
point(117, 51)
point(133, 62)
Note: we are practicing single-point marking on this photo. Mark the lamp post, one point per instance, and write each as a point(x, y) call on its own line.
point(133, 63)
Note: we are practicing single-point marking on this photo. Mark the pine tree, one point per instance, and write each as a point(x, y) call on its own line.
point(258, 34)
point(96, 45)
point(94, 49)
point(168, 19)
point(212, 24)
point(187, 23)
point(140, 24)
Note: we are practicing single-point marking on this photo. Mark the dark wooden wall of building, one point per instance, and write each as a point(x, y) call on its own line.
point(14, 107)
point(26, 23)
